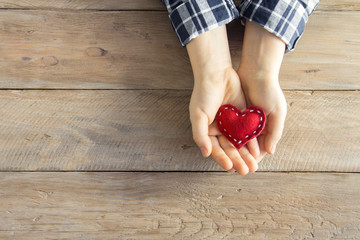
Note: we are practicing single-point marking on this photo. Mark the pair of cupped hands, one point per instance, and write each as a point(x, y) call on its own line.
point(254, 83)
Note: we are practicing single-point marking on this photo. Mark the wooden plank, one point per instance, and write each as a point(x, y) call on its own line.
point(323, 61)
point(149, 130)
point(84, 4)
point(179, 206)
point(97, 50)
point(109, 50)
point(343, 5)
point(139, 4)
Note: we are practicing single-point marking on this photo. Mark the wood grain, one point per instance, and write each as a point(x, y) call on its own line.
point(320, 57)
point(91, 50)
point(139, 4)
point(139, 50)
point(179, 206)
point(149, 130)
point(46, 45)
point(342, 5)
point(84, 4)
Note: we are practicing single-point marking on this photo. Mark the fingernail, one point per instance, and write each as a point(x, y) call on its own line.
point(231, 170)
point(203, 151)
point(273, 148)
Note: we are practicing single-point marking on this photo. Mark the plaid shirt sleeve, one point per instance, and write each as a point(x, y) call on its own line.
point(284, 18)
point(190, 18)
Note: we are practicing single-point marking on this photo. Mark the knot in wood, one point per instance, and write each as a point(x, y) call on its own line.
point(96, 52)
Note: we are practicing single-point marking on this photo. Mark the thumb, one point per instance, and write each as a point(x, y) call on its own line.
point(275, 127)
point(200, 130)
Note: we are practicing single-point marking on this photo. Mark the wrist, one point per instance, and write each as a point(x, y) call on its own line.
point(261, 56)
point(257, 76)
point(258, 80)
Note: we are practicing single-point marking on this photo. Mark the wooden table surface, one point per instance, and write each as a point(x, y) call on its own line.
point(96, 140)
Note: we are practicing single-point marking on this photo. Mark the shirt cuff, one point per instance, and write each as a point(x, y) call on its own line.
point(193, 17)
point(284, 18)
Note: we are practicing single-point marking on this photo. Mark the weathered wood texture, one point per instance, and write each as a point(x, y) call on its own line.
point(150, 130)
point(49, 49)
point(339, 5)
point(179, 206)
point(84, 4)
point(139, 50)
point(138, 4)
point(323, 61)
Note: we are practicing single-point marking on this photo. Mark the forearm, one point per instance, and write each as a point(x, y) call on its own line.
point(209, 53)
point(262, 54)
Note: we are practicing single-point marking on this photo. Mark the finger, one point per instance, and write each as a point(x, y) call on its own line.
point(248, 159)
point(253, 148)
point(213, 130)
point(200, 127)
point(275, 127)
point(261, 141)
point(238, 163)
point(219, 155)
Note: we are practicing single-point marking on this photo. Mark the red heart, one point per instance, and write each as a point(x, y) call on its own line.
point(240, 127)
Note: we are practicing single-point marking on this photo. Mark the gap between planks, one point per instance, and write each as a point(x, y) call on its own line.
point(175, 171)
point(160, 89)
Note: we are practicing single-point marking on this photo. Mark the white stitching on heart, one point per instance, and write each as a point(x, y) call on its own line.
point(220, 123)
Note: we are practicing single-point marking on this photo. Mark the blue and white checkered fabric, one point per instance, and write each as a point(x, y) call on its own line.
point(284, 18)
